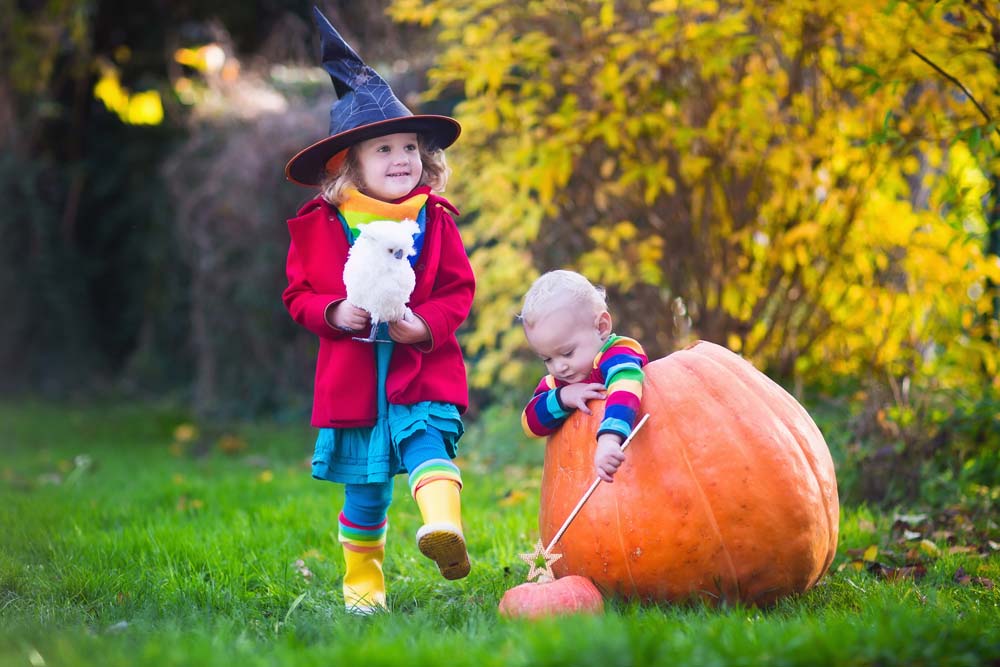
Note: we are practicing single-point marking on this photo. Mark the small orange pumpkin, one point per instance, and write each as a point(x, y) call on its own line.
point(728, 493)
point(548, 597)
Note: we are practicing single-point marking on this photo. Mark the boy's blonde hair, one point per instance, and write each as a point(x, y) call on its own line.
point(335, 185)
point(561, 288)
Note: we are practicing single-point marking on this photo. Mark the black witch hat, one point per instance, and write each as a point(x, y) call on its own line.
point(365, 108)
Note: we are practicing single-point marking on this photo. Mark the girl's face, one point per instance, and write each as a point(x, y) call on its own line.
point(567, 341)
point(390, 165)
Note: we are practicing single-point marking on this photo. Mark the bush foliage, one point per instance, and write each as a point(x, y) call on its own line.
point(800, 181)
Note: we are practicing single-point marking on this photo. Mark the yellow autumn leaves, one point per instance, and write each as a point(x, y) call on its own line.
point(134, 108)
point(789, 173)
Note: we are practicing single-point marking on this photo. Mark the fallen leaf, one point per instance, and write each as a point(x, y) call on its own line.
point(300, 566)
point(117, 627)
point(929, 548)
point(512, 498)
point(871, 553)
point(185, 432)
point(866, 526)
point(231, 444)
point(963, 578)
point(184, 504)
point(911, 519)
point(958, 549)
point(35, 658)
point(913, 572)
point(911, 535)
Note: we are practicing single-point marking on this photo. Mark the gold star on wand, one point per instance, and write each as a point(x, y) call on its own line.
point(532, 560)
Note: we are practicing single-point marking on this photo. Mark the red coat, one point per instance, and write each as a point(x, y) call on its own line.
point(344, 394)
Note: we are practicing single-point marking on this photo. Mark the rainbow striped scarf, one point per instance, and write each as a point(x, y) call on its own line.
point(359, 209)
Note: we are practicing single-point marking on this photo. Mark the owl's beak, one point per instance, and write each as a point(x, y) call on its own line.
point(399, 254)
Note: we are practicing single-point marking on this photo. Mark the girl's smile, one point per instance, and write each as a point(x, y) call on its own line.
point(390, 165)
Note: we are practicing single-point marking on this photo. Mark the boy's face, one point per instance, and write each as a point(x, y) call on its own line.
point(390, 165)
point(567, 340)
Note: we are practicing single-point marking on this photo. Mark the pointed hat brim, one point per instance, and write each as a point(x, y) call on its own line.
point(308, 167)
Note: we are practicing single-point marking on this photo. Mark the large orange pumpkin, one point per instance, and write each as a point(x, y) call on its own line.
point(728, 492)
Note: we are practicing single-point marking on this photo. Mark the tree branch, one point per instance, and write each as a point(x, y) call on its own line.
point(959, 84)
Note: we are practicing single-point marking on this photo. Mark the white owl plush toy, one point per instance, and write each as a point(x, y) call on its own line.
point(378, 275)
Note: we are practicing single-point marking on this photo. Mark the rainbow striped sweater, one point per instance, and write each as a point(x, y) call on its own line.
point(618, 366)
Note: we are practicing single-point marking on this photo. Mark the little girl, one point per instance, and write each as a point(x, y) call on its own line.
point(382, 408)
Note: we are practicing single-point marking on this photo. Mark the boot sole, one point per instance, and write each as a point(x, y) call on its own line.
point(446, 547)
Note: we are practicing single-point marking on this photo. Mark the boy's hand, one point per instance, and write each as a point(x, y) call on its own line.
point(575, 396)
point(609, 456)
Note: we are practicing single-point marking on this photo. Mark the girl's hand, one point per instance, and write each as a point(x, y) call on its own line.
point(348, 317)
point(609, 456)
point(575, 396)
point(411, 329)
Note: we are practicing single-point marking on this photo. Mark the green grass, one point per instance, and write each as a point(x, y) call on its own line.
point(120, 547)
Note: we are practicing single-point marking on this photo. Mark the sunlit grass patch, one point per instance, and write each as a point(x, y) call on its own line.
point(143, 556)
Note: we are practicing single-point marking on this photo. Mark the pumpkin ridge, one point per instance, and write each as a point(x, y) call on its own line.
point(707, 370)
point(689, 364)
point(777, 392)
point(621, 543)
point(682, 449)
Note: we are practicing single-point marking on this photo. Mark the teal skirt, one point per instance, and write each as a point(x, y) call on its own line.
point(371, 454)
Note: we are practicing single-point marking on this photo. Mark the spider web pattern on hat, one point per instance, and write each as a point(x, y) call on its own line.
point(363, 96)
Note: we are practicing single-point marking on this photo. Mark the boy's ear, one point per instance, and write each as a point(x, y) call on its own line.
point(604, 324)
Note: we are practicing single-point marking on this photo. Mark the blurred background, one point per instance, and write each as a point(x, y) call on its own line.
point(812, 184)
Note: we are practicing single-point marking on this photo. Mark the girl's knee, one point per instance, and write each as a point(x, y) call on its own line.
point(367, 504)
point(423, 446)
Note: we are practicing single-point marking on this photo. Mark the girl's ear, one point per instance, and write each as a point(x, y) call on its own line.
point(603, 324)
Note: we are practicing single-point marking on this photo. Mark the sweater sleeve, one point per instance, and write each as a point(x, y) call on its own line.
point(544, 413)
point(621, 367)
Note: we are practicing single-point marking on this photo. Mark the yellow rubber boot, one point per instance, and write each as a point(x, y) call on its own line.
point(441, 538)
point(364, 585)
